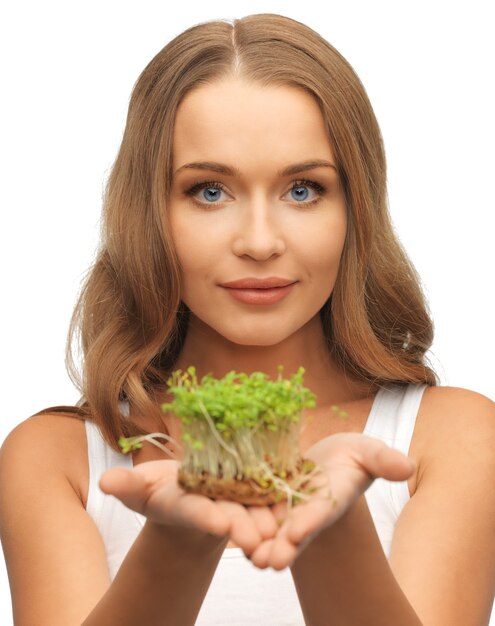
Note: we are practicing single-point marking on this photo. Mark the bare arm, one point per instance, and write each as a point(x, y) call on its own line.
point(443, 550)
point(343, 577)
point(55, 555)
point(442, 563)
point(341, 573)
point(153, 590)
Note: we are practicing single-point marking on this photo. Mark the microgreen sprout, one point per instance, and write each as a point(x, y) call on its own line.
point(240, 434)
point(131, 444)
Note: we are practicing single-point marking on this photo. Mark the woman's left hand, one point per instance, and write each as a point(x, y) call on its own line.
point(349, 463)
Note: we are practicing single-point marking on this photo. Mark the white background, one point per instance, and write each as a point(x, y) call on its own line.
point(67, 70)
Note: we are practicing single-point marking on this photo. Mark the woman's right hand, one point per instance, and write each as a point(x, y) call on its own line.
point(151, 488)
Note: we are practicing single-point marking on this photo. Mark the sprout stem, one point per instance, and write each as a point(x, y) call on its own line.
point(151, 437)
point(215, 432)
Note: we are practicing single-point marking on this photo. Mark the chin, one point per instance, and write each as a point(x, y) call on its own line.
point(252, 332)
point(257, 337)
point(255, 341)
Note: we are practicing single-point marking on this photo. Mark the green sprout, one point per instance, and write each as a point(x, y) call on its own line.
point(240, 435)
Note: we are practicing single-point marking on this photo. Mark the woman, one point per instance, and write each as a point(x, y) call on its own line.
point(245, 226)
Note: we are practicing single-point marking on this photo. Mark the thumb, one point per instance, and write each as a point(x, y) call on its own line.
point(381, 461)
point(126, 485)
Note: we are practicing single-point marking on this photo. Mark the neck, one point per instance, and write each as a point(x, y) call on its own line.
point(210, 352)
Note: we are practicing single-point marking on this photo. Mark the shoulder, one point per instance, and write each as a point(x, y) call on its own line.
point(455, 429)
point(48, 443)
point(441, 397)
point(454, 412)
point(53, 550)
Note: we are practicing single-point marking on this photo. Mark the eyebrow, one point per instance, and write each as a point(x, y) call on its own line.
point(228, 170)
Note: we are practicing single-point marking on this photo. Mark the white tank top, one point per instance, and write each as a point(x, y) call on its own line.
point(241, 594)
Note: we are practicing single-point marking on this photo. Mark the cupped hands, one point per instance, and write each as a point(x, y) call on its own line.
point(270, 536)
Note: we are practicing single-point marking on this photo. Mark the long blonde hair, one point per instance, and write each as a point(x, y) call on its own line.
point(129, 319)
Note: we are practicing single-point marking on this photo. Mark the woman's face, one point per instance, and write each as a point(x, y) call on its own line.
point(239, 215)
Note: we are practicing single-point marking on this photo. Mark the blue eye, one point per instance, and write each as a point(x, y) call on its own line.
point(212, 191)
point(300, 196)
point(300, 191)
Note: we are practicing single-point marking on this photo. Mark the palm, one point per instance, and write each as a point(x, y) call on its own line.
point(349, 463)
point(271, 536)
point(152, 489)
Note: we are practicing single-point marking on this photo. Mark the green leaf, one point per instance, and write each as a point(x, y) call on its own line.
point(129, 444)
point(239, 400)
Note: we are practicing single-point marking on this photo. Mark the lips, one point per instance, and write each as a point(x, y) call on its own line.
point(258, 283)
point(262, 291)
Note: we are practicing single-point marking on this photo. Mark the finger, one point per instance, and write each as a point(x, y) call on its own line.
point(152, 490)
point(195, 511)
point(133, 486)
point(260, 557)
point(126, 485)
point(283, 550)
point(280, 512)
point(310, 518)
point(154, 471)
point(277, 553)
point(242, 529)
point(264, 520)
point(381, 461)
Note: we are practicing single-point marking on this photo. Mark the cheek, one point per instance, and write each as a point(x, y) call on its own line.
point(198, 249)
point(326, 242)
point(186, 239)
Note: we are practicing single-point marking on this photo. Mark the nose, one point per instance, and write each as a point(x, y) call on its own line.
point(258, 234)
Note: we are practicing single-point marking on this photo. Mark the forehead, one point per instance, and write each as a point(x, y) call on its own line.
point(244, 120)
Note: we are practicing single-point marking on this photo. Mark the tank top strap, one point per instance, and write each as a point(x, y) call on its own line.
point(393, 415)
point(101, 457)
point(392, 420)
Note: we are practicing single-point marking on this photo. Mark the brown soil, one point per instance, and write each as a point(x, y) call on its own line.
point(245, 491)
